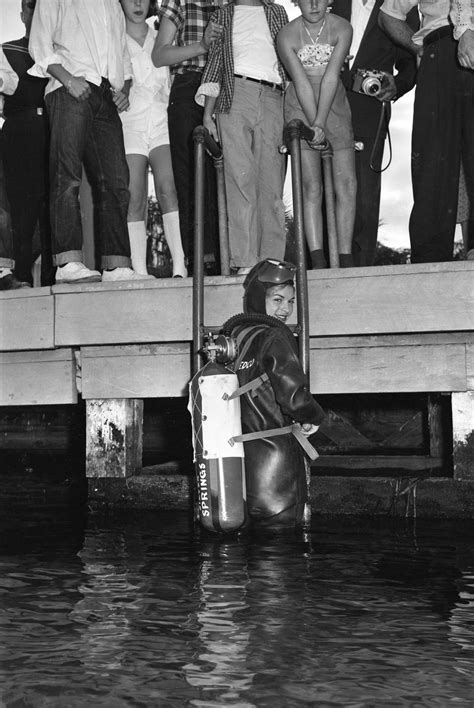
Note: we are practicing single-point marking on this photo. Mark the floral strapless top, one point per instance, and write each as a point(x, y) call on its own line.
point(315, 54)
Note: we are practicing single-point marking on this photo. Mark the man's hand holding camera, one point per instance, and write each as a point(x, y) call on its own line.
point(375, 83)
point(388, 92)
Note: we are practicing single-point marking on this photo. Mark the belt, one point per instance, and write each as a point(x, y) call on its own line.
point(437, 34)
point(270, 84)
point(39, 111)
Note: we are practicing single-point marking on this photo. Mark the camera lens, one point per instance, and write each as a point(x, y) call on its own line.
point(371, 86)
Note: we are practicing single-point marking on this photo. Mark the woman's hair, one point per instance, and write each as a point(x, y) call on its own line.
point(266, 274)
point(153, 9)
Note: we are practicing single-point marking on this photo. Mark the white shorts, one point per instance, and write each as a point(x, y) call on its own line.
point(142, 135)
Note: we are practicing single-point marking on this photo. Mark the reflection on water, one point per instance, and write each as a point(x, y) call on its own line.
point(140, 610)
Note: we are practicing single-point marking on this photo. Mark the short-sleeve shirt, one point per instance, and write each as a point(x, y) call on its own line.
point(190, 18)
point(434, 14)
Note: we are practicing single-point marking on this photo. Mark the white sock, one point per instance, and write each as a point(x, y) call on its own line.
point(138, 237)
point(173, 239)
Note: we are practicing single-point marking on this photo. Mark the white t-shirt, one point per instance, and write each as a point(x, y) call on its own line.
point(253, 48)
point(360, 14)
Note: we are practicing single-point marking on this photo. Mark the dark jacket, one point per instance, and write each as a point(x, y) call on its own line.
point(275, 467)
point(376, 51)
point(30, 89)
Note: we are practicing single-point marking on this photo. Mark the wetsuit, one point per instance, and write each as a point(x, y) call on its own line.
point(275, 468)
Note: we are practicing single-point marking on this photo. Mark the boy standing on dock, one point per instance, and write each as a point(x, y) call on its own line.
point(81, 47)
point(184, 37)
point(25, 158)
point(8, 281)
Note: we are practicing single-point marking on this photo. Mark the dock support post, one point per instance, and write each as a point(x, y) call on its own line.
point(435, 426)
point(463, 435)
point(114, 437)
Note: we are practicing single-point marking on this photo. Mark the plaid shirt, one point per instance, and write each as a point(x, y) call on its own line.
point(190, 19)
point(218, 77)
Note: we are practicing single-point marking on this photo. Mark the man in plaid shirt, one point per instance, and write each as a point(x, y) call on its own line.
point(184, 37)
point(243, 84)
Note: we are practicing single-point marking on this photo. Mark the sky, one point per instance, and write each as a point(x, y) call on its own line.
point(396, 198)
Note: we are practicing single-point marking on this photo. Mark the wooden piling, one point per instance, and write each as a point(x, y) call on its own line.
point(463, 435)
point(114, 437)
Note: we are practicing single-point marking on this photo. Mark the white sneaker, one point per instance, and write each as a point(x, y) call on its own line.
point(76, 272)
point(470, 255)
point(243, 271)
point(111, 276)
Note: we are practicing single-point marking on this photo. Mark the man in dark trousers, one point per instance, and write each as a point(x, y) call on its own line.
point(371, 49)
point(25, 156)
point(184, 37)
point(8, 281)
point(443, 118)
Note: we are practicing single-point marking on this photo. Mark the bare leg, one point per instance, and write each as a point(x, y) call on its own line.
point(345, 187)
point(160, 161)
point(312, 204)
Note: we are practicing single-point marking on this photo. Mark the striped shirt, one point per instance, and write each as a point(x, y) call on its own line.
point(190, 20)
point(218, 77)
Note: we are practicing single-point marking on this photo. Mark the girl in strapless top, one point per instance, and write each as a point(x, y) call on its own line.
point(313, 48)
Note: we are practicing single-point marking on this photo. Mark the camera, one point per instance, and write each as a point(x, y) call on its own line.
point(368, 81)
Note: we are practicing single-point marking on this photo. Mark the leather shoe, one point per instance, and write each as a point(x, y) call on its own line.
point(9, 282)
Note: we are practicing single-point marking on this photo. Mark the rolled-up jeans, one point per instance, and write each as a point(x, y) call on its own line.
point(88, 132)
point(254, 170)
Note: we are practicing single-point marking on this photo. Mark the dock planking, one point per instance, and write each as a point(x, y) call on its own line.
point(373, 330)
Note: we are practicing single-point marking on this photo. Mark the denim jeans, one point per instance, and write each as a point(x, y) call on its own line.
point(254, 173)
point(90, 133)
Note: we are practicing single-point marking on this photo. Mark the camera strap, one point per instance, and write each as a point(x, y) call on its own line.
point(382, 120)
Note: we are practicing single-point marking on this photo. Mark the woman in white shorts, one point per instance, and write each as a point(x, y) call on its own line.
point(145, 132)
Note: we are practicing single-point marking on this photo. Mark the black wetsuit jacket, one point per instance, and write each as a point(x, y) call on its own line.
point(275, 469)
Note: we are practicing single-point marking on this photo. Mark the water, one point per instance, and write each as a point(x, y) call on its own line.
point(137, 610)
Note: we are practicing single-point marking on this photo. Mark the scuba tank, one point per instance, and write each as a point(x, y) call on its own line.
point(219, 461)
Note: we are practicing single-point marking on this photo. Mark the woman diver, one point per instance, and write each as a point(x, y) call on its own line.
point(275, 466)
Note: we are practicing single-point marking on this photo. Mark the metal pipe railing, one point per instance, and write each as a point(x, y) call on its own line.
point(207, 143)
point(204, 142)
point(198, 266)
point(292, 135)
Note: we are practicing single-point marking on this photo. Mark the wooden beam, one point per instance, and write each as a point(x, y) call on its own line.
point(136, 371)
point(390, 300)
point(26, 319)
point(388, 369)
point(144, 311)
point(38, 377)
point(370, 464)
point(114, 438)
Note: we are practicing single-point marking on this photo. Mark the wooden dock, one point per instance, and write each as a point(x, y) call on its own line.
point(388, 329)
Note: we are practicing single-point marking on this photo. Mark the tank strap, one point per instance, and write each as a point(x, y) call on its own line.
point(274, 432)
point(250, 386)
point(255, 383)
point(246, 347)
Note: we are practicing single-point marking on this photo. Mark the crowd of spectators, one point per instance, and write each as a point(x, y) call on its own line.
point(93, 86)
